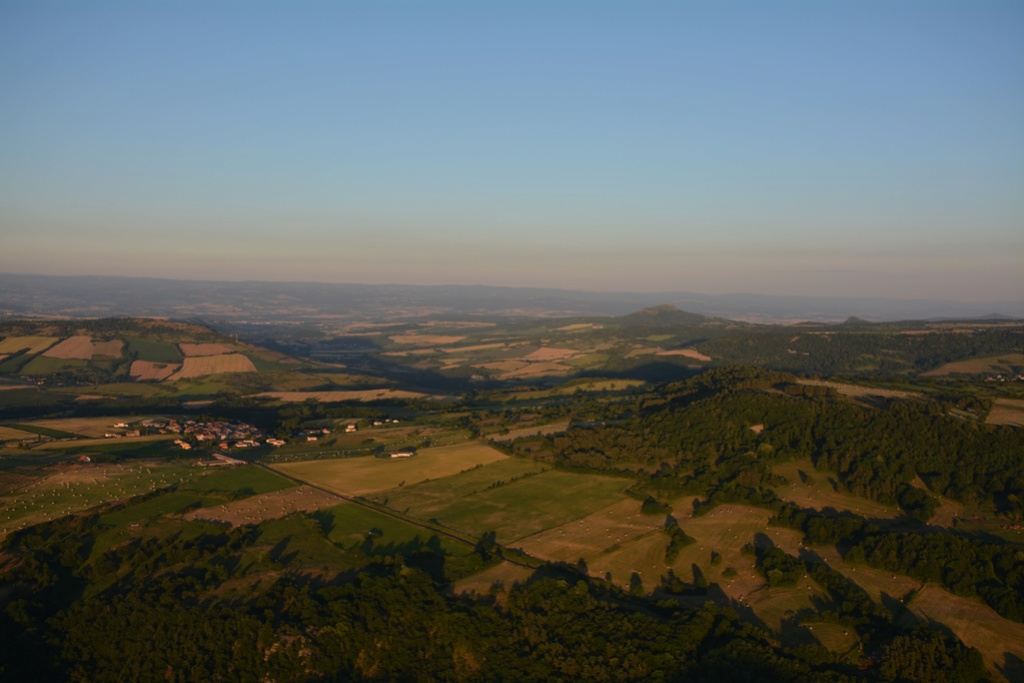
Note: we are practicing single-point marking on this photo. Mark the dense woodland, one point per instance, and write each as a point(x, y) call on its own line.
point(697, 436)
point(158, 610)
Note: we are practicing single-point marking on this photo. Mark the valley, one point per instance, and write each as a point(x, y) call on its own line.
point(836, 497)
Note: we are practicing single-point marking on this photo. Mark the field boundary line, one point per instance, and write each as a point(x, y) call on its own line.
point(513, 556)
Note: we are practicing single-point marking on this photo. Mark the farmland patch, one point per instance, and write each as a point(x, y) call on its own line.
point(975, 623)
point(497, 579)
point(338, 396)
point(144, 370)
point(72, 488)
point(79, 347)
point(535, 430)
point(425, 339)
point(1006, 411)
point(548, 353)
point(258, 508)
point(366, 475)
point(978, 626)
point(428, 497)
point(206, 349)
point(44, 365)
point(688, 353)
point(34, 344)
point(153, 351)
point(858, 390)
point(529, 505)
point(199, 366)
point(99, 445)
point(1003, 364)
point(594, 535)
point(816, 489)
point(9, 433)
point(110, 348)
point(86, 426)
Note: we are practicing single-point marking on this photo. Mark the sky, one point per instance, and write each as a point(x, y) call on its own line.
point(826, 147)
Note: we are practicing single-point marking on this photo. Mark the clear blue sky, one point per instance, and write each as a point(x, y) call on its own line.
point(825, 147)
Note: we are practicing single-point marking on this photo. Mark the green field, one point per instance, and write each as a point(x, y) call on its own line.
point(436, 495)
point(130, 389)
point(242, 480)
point(165, 504)
point(198, 487)
point(36, 398)
point(45, 365)
point(524, 507)
point(137, 447)
point(349, 525)
point(366, 475)
point(43, 430)
point(152, 350)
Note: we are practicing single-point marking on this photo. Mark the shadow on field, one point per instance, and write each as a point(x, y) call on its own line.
point(1013, 669)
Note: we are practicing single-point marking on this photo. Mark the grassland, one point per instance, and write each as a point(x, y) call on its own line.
point(858, 390)
point(550, 428)
point(350, 524)
point(976, 624)
point(494, 580)
point(367, 475)
point(995, 365)
point(571, 388)
point(129, 389)
point(46, 365)
point(1000, 641)
point(153, 351)
point(33, 344)
point(245, 480)
point(724, 530)
point(815, 490)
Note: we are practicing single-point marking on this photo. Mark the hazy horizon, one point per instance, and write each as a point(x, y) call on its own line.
point(847, 149)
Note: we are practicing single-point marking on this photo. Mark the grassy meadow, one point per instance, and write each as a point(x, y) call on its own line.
point(153, 350)
point(815, 489)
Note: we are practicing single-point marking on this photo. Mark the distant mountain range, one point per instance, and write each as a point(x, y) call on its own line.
point(93, 296)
